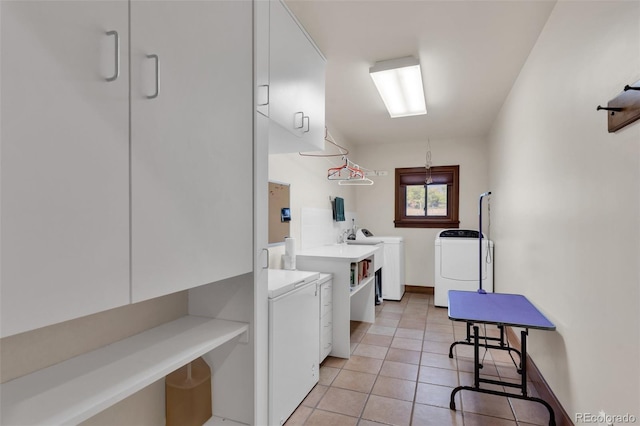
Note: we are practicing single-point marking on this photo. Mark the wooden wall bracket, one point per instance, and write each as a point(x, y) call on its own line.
point(624, 109)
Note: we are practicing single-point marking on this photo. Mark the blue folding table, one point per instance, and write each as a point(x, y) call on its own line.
point(502, 310)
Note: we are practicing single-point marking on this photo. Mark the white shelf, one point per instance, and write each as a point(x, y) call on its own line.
point(219, 421)
point(76, 389)
point(363, 284)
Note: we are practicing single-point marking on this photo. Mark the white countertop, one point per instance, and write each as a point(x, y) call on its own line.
point(282, 280)
point(347, 252)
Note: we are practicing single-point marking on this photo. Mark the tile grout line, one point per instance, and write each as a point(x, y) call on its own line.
point(366, 401)
point(425, 323)
point(359, 419)
point(415, 391)
point(455, 357)
point(379, 370)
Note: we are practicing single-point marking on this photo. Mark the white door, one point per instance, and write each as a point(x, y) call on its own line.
point(294, 341)
point(65, 161)
point(191, 142)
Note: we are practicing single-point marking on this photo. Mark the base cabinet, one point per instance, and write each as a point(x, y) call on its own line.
point(293, 350)
point(350, 303)
point(326, 315)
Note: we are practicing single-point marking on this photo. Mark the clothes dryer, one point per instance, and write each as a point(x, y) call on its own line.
point(458, 265)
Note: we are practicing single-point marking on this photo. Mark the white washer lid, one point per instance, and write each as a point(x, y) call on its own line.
point(282, 280)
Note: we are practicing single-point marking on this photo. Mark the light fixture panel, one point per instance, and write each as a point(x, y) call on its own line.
point(399, 82)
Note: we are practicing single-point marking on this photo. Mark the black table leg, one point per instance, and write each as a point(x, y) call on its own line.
point(523, 360)
point(523, 379)
point(501, 345)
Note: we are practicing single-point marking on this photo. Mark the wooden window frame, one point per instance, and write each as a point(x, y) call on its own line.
point(449, 175)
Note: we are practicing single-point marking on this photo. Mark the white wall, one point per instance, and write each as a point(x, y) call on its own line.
point(566, 204)
point(309, 187)
point(375, 204)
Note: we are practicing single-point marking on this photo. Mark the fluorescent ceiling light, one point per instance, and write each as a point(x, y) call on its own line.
point(399, 82)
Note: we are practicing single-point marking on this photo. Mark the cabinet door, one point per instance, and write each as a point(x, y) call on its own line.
point(191, 144)
point(261, 55)
point(261, 212)
point(297, 85)
point(65, 161)
point(293, 350)
point(326, 335)
point(326, 319)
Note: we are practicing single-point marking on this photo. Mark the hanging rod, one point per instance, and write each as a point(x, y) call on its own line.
point(328, 138)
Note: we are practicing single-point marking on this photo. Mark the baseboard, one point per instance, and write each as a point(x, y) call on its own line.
point(542, 387)
point(418, 289)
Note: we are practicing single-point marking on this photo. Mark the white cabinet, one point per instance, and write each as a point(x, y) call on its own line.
point(350, 303)
point(191, 145)
point(111, 194)
point(66, 164)
point(326, 315)
point(293, 340)
point(65, 161)
point(393, 270)
point(296, 86)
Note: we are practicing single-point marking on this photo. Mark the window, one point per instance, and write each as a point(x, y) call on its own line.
point(427, 206)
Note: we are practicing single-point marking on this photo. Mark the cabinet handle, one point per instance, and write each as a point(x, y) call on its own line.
point(116, 71)
point(267, 250)
point(308, 123)
point(301, 121)
point(157, 92)
point(267, 95)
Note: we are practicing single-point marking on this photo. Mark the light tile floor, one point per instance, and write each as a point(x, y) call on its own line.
point(400, 373)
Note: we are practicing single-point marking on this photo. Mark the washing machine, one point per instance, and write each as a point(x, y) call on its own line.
point(393, 262)
point(458, 265)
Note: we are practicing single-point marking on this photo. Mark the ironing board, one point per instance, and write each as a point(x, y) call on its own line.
point(501, 310)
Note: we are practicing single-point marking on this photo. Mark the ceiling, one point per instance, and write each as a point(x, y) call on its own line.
point(471, 53)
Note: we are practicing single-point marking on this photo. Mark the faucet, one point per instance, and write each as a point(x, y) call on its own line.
point(352, 232)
